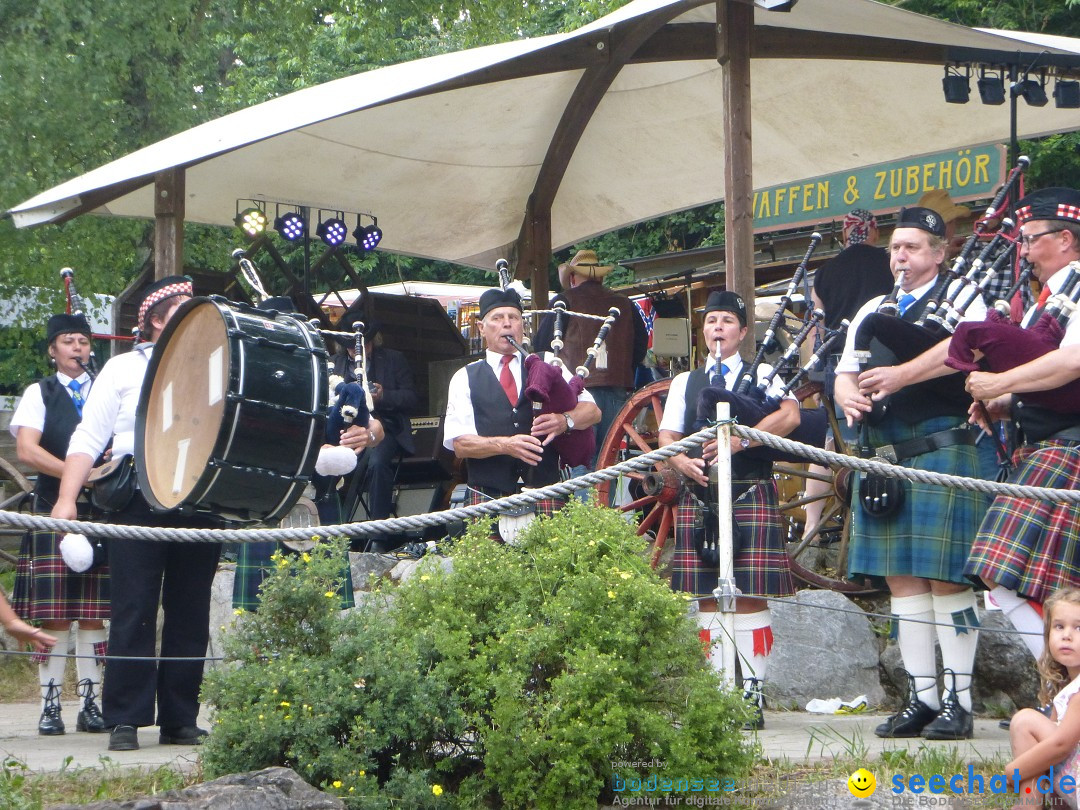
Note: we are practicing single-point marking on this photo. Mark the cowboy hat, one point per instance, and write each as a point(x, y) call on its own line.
point(586, 264)
point(940, 201)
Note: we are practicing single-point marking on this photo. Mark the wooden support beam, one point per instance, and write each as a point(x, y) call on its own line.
point(735, 27)
point(169, 223)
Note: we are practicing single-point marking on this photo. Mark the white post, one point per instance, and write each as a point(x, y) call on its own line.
point(725, 589)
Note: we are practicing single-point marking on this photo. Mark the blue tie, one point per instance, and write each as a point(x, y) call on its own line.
point(906, 300)
point(718, 377)
point(76, 397)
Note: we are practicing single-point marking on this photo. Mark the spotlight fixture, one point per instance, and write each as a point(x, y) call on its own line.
point(991, 86)
point(368, 238)
point(1067, 94)
point(957, 85)
point(1033, 91)
point(251, 221)
point(291, 226)
point(332, 231)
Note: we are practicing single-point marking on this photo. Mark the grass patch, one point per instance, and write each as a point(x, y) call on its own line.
point(22, 789)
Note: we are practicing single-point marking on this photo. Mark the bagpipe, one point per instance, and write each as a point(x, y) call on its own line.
point(898, 341)
point(1003, 345)
point(76, 306)
point(750, 403)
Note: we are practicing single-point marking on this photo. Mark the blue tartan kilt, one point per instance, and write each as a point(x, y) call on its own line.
point(930, 536)
point(761, 567)
point(1032, 546)
point(46, 590)
point(253, 566)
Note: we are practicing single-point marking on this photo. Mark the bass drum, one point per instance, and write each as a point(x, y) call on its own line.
point(232, 412)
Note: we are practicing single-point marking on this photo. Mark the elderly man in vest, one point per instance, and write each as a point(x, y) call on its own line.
point(612, 378)
point(490, 422)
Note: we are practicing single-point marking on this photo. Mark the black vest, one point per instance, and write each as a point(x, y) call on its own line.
point(61, 419)
point(944, 396)
point(743, 468)
point(1039, 423)
point(494, 417)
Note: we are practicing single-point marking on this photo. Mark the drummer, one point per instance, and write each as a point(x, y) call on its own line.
point(762, 567)
point(490, 424)
point(145, 574)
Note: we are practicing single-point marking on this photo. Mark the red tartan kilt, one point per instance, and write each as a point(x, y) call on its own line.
point(762, 567)
point(46, 590)
point(546, 507)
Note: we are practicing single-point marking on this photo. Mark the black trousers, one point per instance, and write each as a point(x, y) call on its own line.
point(145, 574)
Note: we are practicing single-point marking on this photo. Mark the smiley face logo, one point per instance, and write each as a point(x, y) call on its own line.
point(862, 783)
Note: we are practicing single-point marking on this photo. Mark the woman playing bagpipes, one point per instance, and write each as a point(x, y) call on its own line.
point(761, 562)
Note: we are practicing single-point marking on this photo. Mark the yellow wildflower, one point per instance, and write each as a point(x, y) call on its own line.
point(437, 790)
point(337, 783)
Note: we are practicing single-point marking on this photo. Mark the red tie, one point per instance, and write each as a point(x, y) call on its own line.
point(506, 380)
point(1043, 296)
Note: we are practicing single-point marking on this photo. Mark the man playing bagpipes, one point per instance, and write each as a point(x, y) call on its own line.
point(489, 420)
point(916, 535)
point(761, 564)
point(1025, 549)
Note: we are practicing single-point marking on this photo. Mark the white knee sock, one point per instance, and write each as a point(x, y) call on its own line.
point(51, 671)
point(712, 637)
point(753, 642)
point(90, 646)
point(1023, 616)
point(915, 638)
point(957, 643)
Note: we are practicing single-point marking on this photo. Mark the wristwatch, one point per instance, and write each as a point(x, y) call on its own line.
point(745, 444)
point(569, 421)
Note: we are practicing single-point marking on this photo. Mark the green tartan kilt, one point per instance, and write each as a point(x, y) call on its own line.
point(1032, 546)
point(930, 536)
point(253, 565)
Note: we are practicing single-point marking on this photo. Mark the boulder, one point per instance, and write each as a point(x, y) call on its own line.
point(822, 653)
point(268, 789)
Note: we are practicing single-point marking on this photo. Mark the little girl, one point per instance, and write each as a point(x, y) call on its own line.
point(1041, 743)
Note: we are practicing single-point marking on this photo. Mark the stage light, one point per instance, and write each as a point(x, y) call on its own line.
point(1033, 91)
point(991, 87)
point(332, 231)
point(291, 226)
point(957, 85)
point(251, 221)
point(1067, 94)
point(368, 238)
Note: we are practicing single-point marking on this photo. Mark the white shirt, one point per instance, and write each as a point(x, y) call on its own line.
point(31, 409)
point(460, 418)
point(110, 413)
point(675, 407)
point(1072, 326)
point(849, 363)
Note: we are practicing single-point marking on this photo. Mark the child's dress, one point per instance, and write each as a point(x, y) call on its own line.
point(1071, 764)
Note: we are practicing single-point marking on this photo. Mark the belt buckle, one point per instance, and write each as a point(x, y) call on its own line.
point(888, 453)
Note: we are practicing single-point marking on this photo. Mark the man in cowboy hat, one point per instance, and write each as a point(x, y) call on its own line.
point(612, 378)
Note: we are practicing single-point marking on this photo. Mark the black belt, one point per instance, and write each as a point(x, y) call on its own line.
point(1070, 434)
point(925, 444)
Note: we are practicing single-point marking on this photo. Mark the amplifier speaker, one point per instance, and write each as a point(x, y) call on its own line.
point(431, 461)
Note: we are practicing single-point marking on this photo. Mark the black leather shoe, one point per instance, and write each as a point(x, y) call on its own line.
point(953, 722)
point(90, 718)
point(50, 724)
point(753, 694)
point(184, 735)
point(124, 738)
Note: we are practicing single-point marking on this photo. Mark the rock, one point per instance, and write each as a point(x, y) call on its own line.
point(822, 653)
point(221, 610)
point(268, 789)
point(366, 566)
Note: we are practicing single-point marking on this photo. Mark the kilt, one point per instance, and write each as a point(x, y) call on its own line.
point(46, 590)
point(1033, 547)
point(761, 567)
point(929, 537)
point(546, 506)
point(253, 565)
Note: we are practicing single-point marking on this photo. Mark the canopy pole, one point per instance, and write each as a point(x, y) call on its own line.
point(534, 253)
point(169, 223)
point(735, 26)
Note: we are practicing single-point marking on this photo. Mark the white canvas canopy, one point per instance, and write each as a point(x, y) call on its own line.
point(459, 155)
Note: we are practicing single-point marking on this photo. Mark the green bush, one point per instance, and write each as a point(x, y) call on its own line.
point(516, 677)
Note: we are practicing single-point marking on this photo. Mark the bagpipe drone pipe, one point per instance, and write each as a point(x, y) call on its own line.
point(1003, 345)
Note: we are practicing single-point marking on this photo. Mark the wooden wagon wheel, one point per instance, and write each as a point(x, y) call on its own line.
point(655, 494)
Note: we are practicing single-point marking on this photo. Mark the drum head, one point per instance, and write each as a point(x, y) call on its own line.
point(182, 403)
